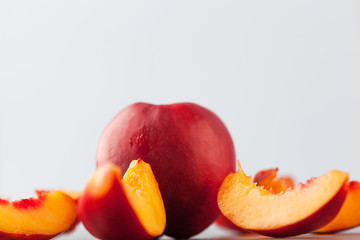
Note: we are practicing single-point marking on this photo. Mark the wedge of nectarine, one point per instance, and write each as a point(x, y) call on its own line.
point(128, 207)
point(303, 209)
point(349, 216)
point(38, 218)
point(265, 178)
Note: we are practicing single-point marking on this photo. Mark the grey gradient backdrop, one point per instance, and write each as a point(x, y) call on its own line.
point(284, 76)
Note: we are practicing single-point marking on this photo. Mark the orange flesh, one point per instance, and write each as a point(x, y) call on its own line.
point(239, 196)
point(267, 179)
point(144, 196)
point(52, 216)
point(348, 216)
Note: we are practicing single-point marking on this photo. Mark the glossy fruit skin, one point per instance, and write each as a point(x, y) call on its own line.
point(189, 149)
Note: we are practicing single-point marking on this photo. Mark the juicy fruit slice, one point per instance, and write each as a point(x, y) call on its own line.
point(301, 210)
point(38, 218)
point(267, 178)
point(348, 216)
point(149, 207)
point(128, 207)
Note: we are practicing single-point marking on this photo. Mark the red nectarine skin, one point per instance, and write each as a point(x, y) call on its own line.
point(30, 202)
point(190, 151)
point(4, 202)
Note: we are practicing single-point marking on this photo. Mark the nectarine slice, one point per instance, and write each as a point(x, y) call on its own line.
point(349, 216)
point(303, 209)
point(128, 207)
point(38, 218)
point(266, 178)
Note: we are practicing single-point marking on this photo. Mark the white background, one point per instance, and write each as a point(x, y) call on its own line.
point(284, 76)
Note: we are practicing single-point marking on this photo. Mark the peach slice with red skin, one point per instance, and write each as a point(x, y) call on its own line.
point(113, 206)
point(349, 216)
point(303, 209)
point(39, 218)
point(267, 179)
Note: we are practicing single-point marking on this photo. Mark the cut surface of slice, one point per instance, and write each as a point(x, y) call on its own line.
point(139, 182)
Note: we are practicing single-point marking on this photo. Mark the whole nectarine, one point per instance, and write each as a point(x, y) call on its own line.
point(189, 149)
